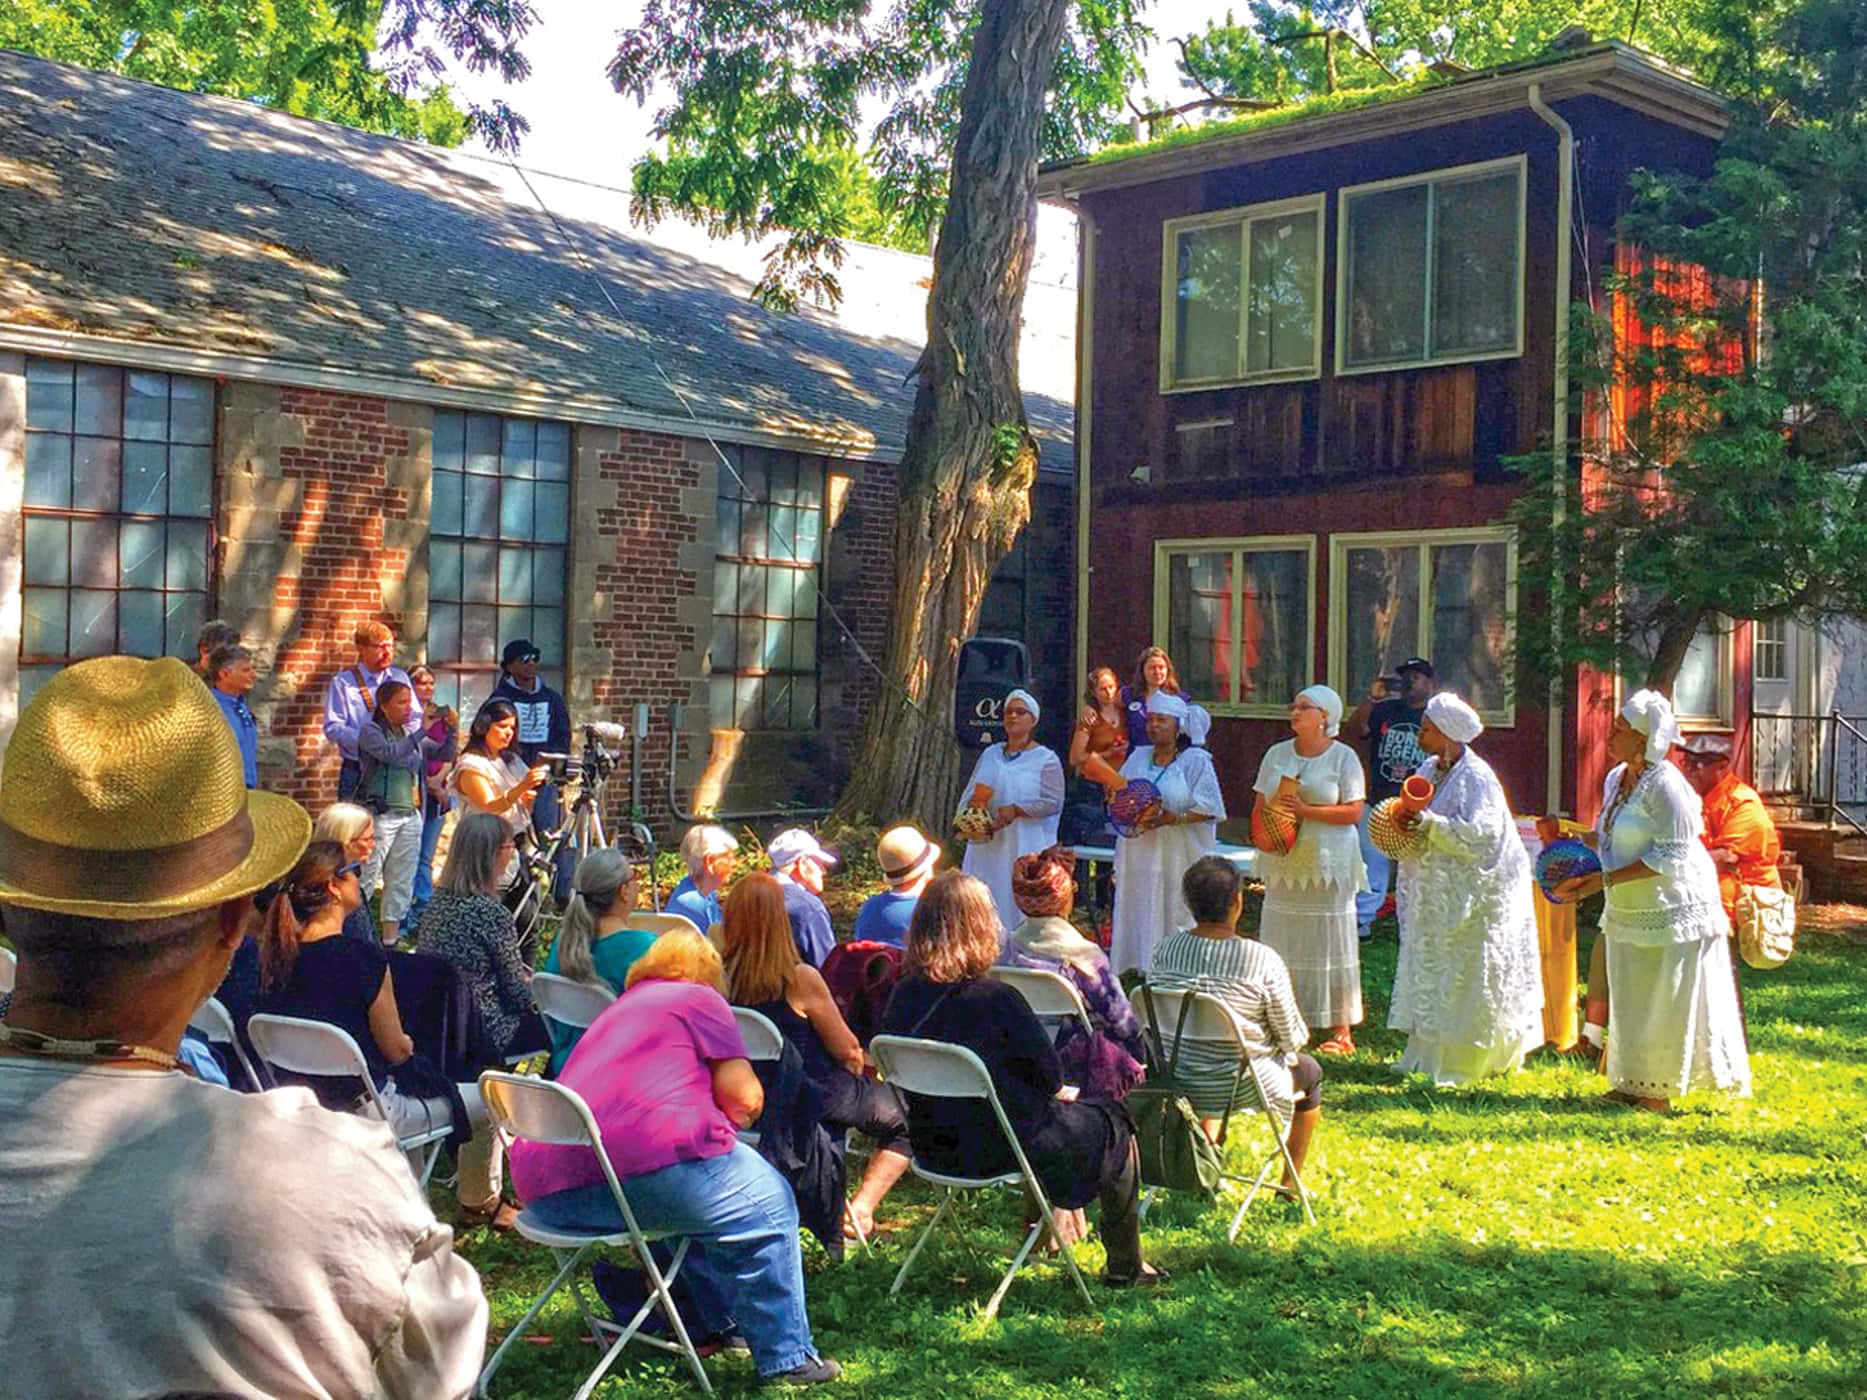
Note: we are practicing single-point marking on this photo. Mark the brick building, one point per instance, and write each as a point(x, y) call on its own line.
point(294, 376)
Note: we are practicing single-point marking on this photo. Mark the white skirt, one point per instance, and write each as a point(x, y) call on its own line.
point(1458, 1061)
point(1312, 929)
point(1673, 1022)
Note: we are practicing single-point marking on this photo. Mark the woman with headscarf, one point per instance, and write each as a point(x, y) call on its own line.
point(1468, 989)
point(1106, 1060)
point(1025, 782)
point(1674, 1024)
point(1150, 864)
point(1309, 892)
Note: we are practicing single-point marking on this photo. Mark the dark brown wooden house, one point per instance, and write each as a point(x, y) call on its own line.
point(1308, 343)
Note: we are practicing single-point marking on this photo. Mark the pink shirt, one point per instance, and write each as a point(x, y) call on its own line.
point(644, 1067)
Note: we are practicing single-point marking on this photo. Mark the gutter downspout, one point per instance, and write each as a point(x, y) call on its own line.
point(1559, 428)
point(675, 712)
point(1085, 383)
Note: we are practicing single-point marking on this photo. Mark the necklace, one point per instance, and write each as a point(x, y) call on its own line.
point(52, 1048)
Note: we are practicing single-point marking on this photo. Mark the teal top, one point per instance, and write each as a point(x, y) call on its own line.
point(613, 954)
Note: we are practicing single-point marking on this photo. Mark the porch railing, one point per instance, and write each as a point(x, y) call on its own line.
point(1816, 761)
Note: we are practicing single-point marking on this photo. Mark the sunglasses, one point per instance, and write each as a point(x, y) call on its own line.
point(354, 868)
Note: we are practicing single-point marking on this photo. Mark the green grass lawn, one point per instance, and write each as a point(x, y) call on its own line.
point(1512, 1238)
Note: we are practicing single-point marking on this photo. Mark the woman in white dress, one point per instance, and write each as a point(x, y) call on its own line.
point(1150, 865)
point(1026, 780)
point(489, 776)
point(1469, 987)
point(1673, 1020)
point(1309, 894)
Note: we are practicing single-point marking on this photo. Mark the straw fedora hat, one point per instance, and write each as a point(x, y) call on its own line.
point(123, 797)
point(904, 853)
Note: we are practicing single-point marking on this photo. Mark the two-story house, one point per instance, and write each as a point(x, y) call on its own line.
point(1308, 344)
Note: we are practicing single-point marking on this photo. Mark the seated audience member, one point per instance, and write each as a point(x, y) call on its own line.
point(763, 971)
point(308, 969)
point(1252, 980)
point(710, 855)
point(353, 828)
point(907, 859)
point(1106, 1064)
point(1082, 1150)
point(595, 942)
point(230, 674)
point(468, 928)
point(392, 769)
point(145, 1258)
point(800, 865)
point(665, 1075)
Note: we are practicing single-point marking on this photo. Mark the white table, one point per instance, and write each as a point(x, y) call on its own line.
point(1244, 857)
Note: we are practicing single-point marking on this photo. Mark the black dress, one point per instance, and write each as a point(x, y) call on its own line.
point(849, 1100)
point(1076, 1149)
point(335, 980)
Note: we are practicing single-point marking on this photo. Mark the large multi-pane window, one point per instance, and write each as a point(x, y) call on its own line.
point(763, 660)
point(1432, 268)
point(498, 549)
point(1447, 595)
point(1236, 617)
point(119, 503)
point(1240, 295)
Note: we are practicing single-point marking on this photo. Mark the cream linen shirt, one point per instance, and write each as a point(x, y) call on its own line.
point(162, 1235)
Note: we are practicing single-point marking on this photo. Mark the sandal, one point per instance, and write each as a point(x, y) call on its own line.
point(1153, 1277)
point(1335, 1046)
point(500, 1217)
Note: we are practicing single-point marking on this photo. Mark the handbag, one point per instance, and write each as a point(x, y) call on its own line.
point(1175, 1151)
point(1765, 925)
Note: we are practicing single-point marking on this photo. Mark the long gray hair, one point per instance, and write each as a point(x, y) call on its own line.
point(473, 863)
point(602, 876)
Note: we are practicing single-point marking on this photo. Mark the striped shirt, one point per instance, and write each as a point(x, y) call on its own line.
point(1252, 980)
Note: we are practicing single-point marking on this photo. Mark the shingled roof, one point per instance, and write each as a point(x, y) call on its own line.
point(208, 229)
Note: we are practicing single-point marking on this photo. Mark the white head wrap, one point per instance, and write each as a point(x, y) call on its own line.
point(1197, 724)
point(1651, 715)
point(1329, 703)
point(1454, 718)
point(1165, 702)
point(1030, 702)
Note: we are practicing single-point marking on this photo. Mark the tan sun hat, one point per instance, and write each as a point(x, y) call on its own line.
point(123, 797)
point(904, 853)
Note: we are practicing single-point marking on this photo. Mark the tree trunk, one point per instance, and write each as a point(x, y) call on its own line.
point(1676, 635)
point(967, 469)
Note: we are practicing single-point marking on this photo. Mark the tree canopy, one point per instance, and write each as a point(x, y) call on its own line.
point(374, 64)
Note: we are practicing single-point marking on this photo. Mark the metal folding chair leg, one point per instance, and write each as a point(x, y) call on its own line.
point(920, 1243)
point(568, 1260)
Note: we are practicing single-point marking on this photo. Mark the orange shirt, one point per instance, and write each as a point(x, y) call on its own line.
point(1736, 820)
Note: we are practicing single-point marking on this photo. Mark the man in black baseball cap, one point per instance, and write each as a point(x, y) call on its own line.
point(1388, 721)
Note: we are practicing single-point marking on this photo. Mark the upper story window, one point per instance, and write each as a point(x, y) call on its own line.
point(119, 500)
point(497, 553)
point(1238, 616)
point(1447, 595)
point(1432, 268)
point(763, 660)
point(1239, 295)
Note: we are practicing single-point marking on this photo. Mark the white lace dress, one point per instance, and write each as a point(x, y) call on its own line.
point(1469, 986)
point(1149, 867)
point(1309, 894)
point(1032, 781)
point(1673, 1021)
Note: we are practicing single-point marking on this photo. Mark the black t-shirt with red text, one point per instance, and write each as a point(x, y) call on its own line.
point(1393, 746)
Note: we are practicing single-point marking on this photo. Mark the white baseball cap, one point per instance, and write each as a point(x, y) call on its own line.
point(789, 847)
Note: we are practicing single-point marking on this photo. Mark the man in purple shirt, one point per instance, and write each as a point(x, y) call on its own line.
point(350, 698)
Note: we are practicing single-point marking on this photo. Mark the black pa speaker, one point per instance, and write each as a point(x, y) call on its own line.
point(989, 668)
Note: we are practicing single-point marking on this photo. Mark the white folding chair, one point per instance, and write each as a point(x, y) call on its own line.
point(936, 1070)
point(1050, 995)
point(1211, 1020)
point(572, 1004)
point(317, 1048)
point(213, 1021)
point(765, 1043)
point(541, 1110)
point(9, 969)
point(659, 924)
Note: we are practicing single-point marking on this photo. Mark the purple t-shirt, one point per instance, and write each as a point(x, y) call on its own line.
point(644, 1068)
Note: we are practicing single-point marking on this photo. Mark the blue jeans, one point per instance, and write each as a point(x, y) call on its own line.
point(1368, 903)
point(744, 1268)
point(433, 819)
